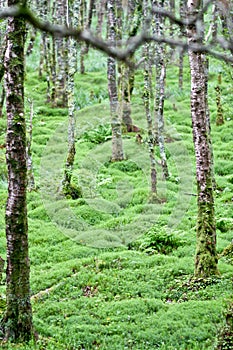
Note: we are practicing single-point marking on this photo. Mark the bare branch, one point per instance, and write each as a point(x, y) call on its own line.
point(179, 21)
point(130, 45)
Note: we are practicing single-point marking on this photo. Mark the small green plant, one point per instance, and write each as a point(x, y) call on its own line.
point(100, 134)
point(127, 166)
point(157, 240)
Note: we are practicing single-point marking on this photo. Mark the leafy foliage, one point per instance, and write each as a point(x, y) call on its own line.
point(100, 134)
point(157, 240)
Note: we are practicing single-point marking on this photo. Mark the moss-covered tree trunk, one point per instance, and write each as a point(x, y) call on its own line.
point(117, 147)
point(61, 49)
point(17, 321)
point(30, 173)
point(206, 256)
point(73, 13)
point(131, 20)
point(122, 81)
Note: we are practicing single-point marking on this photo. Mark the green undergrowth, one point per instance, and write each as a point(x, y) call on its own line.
point(111, 270)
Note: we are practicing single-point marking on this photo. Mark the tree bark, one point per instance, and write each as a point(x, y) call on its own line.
point(17, 321)
point(117, 147)
point(72, 19)
point(160, 91)
point(2, 54)
point(206, 256)
point(101, 5)
point(181, 53)
point(218, 90)
point(126, 74)
point(30, 174)
point(151, 137)
point(147, 105)
point(60, 99)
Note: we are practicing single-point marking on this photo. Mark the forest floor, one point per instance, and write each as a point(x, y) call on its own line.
point(111, 270)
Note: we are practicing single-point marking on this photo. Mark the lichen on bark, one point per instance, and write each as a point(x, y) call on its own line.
point(16, 324)
point(206, 257)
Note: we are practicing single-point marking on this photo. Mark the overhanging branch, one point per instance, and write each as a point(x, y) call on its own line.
point(129, 46)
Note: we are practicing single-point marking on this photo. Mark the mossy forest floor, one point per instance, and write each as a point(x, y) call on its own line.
point(97, 279)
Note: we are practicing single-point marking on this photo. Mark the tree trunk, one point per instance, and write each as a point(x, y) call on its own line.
point(206, 256)
point(151, 137)
point(100, 16)
point(147, 105)
point(17, 321)
point(160, 92)
point(117, 147)
point(181, 52)
point(2, 54)
point(73, 19)
point(218, 90)
point(86, 24)
point(83, 8)
point(125, 73)
point(31, 43)
point(61, 58)
point(30, 174)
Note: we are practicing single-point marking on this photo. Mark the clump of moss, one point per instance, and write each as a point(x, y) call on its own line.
point(72, 191)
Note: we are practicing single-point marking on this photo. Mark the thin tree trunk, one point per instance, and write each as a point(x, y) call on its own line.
point(218, 90)
point(206, 63)
point(17, 321)
point(30, 175)
point(147, 105)
point(31, 41)
point(83, 9)
point(44, 52)
point(181, 52)
point(206, 256)
point(125, 73)
point(117, 147)
point(100, 14)
point(3, 95)
point(61, 58)
point(2, 54)
point(160, 93)
point(87, 25)
point(151, 137)
point(123, 80)
point(72, 19)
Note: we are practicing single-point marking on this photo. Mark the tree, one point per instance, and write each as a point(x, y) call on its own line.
point(17, 321)
point(68, 188)
point(61, 53)
point(206, 256)
point(160, 90)
point(117, 147)
point(2, 53)
point(126, 73)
